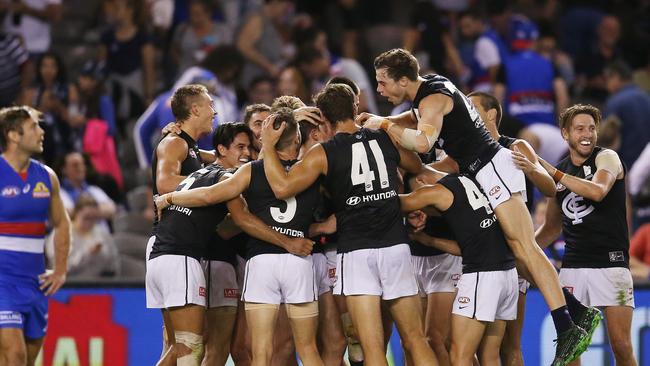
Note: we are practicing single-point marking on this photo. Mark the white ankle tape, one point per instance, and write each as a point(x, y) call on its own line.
point(195, 343)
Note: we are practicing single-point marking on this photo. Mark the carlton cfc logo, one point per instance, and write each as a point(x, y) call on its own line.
point(574, 208)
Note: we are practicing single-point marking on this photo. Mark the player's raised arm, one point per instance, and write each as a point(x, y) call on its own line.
point(171, 150)
point(52, 281)
point(303, 174)
point(225, 190)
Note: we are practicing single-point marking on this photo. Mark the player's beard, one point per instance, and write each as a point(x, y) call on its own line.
point(579, 149)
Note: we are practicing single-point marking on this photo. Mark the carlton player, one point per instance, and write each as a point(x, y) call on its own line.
point(589, 209)
point(488, 287)
point(445, 116)
point(29, 197)
point(373, 261)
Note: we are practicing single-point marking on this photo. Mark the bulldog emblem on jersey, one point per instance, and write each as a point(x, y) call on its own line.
point(40, 191)
point(575, 208)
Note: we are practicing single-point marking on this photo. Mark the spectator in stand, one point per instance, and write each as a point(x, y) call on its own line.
point(15, 68)
point(50, 95)
point(31, 19)
point(532, 91)
point(632, 106)
point(128, 52)
point(317, 63)
point(428, 38)
point(546, 46)
point(292, 82)
point(642, 75)
point(262, 90)
point(92, 250)
point(261, 42)
point(489, 51)
point(74, 184)
point(193, 40)
point(89, 100)
point(640, 253)
point(603, 51)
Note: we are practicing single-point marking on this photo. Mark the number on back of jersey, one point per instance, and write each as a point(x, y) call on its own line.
point(361, 172)
point(475, 197)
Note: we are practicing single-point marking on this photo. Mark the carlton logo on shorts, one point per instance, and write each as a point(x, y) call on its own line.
point(353, 201)
point(464, 300)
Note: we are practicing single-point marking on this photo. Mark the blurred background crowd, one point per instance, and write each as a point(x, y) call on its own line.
point(102, 72)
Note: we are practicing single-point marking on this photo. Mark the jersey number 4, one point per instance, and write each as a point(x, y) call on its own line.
point(361, 173)
point(475, 197)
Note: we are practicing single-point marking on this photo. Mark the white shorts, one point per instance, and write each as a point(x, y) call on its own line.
point(174, 280)
point(599, 286)
point(438, 273)
point(551, 144)
point(221, 282)
point(240, 270)
point(487, 296)
point(523, 285)
point(279, 279)
point(500, 178)
point(331, 266)
point(321, 273)
point(386, 272)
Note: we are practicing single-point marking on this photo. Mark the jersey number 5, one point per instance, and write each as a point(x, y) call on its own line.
point(361, 173)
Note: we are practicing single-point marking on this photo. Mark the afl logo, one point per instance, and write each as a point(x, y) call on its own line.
point(575, 208)
point(353, 201)
point(486, 223)
point(464, 300)
point(495, 190)
point(10, 191)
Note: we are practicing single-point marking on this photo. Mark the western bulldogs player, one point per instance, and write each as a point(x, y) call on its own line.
point(590, 211)
point(444, 115)
point(29, 197)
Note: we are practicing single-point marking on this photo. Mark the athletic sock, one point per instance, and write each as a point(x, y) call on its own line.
point(561, 319)
point(576, 309)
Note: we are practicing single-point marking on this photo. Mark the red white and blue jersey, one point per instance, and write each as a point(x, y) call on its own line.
point(24, 211)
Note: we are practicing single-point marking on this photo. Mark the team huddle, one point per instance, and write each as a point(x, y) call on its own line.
point(354, 221)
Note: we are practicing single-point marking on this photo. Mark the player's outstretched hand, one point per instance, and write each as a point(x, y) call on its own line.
point(270, 135)
point(369, 120)
point(522, 162)
point(51, 281)
point(171, 127)
point(300, 246)
point(309, 114)
point(417, 220)
point(161, 202)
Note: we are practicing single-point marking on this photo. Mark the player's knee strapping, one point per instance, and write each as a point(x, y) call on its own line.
point(192, 341)
point(301, 311)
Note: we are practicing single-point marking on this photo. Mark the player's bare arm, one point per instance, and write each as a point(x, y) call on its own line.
point(225, 190)
point(408, 160)
point(608, 169)
point(447, 165)
point(446, 245)
point(435, 195)
point(432, 109)
point(368, 120)
point(301, 175)
point(552, 226)
point(255, 227)
point(51, 282)
point(526, 160)
point(171, 152)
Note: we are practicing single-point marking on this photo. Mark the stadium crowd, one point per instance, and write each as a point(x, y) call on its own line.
point(103, 73)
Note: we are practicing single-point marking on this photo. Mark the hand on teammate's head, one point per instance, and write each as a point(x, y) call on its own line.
point(309, 114)
point(270, 134)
